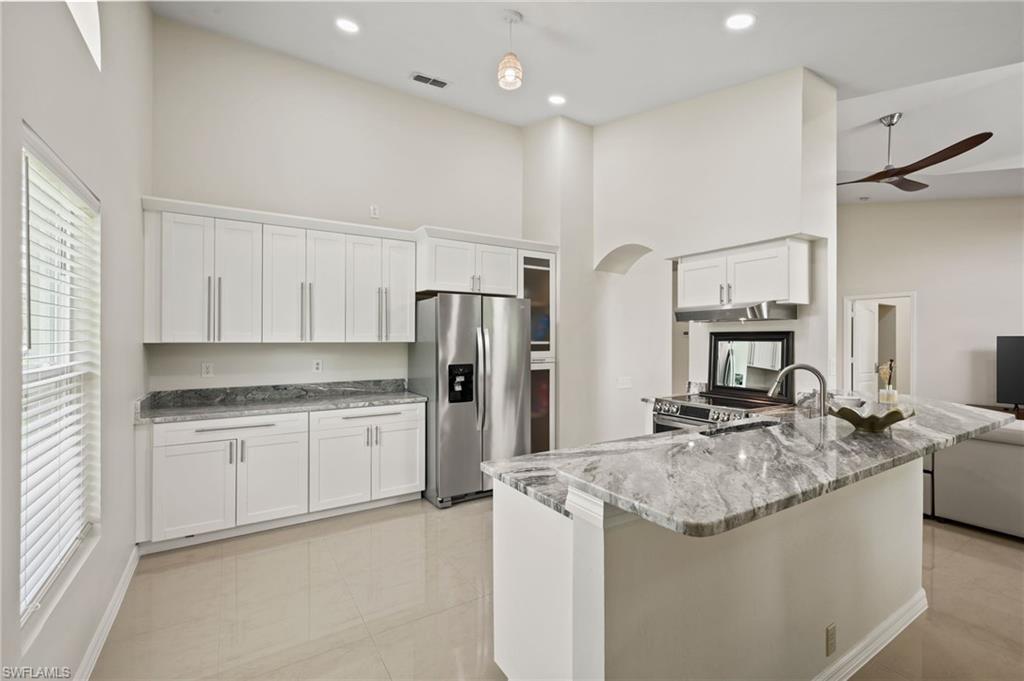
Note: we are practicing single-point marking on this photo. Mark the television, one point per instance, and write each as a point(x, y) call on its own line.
point(1010, 370)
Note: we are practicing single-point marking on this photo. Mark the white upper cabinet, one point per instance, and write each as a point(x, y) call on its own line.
point(497, 270)
point(187, 278)
point(399, 277)
point(464, 267)
point(773, 271)
point(364, 290)
point(238, 254)
point(284, 284)
point(446, 265)
point(325, 286)
point(701, 283)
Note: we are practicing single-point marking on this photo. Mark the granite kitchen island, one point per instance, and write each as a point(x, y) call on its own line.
point(726, 555)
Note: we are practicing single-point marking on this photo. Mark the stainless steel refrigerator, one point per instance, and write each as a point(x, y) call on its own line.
point(471, 359)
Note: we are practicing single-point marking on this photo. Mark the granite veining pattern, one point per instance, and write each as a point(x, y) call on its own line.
point(169, 406)
point(702, 485)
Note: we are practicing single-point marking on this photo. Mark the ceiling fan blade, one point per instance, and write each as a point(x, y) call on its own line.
point(949, 152)
point(863, 179)
point(908, 185)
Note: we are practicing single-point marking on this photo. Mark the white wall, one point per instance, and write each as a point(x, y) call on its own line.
point(99, 123)
point(176, 366)
point(744, 164)
point(965, 259)
point(241, 125)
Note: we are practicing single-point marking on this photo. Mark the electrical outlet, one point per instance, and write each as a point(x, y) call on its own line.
point(374, 211)
point(830, 639)
point(318, 366)
point(206, 369)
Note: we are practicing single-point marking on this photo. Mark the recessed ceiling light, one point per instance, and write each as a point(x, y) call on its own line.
point(347, 25)
point(557, 100)
point(740, 21)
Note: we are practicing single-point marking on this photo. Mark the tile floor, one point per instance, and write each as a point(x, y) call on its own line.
point(404, 592)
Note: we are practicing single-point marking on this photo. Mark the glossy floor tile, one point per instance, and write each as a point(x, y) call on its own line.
point(404, 592)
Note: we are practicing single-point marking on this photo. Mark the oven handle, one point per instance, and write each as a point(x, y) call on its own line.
point(678, 421)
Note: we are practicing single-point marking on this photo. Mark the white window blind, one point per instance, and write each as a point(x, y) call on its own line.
point(60, 369)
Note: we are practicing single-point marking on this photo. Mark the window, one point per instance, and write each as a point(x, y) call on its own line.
point(60, 368)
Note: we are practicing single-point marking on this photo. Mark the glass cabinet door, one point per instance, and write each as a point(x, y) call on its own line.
point(542, 407)
point(537, 283)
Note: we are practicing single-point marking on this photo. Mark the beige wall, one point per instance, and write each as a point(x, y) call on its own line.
point(240, 125)
point(965, 260)
point(99, 124)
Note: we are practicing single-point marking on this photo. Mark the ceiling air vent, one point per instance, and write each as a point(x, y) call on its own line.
point(428, 80)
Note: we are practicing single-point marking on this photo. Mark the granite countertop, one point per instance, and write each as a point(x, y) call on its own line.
point(169, 406)
point(702, 485)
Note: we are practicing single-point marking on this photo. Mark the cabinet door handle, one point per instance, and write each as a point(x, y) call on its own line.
point(378, 313)
point(220, 310)
point(721, 294)
point(209, 308)
point(367, 436)
point(241, 451)
point(231, 452)
point(309, 308)
point(302, 311)
point(387, 315)
point(728, 293)
point(219, 428)
point(376, 432)
point(373, 416)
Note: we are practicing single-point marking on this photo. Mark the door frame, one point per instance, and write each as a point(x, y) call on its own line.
point(847, 327)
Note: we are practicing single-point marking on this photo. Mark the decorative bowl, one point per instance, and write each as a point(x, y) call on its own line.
point(871, 417)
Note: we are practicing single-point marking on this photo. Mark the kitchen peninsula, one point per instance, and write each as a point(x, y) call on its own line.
point(791, 550)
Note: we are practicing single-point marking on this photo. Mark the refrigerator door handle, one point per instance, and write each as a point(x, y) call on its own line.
point(481, 360)
point(485, 371)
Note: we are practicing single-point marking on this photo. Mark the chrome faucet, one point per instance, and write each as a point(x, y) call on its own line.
point(822, 387)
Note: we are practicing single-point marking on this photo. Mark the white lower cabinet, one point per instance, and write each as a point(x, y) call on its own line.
point(365, 454)
point(223, 473)
point(339, 467)
point(398, 461)
point(193, 488)
point(273, 475)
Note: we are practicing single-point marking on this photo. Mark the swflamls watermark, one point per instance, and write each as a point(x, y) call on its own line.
point(35, 672)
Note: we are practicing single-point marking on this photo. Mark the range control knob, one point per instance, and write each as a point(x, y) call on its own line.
point(675, 408)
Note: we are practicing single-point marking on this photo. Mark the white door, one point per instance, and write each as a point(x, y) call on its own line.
point(193, 489)
point(451, 265)
point(497, 270)
point(398, 459)
point(864, 363)
point(239, 274)
point(339, 467)
point(284, 281)
point(757, 276)
point(186, 278)
point(273, 477)
point(325, 274)
point(364, 292)
point(701, 283)
point(399, 261)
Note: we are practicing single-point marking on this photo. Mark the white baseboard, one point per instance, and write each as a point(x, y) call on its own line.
point(92, 653)
point(879, 637)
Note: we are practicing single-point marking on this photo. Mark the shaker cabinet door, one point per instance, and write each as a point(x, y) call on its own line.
point(273, 477)
point(186, 278)
point(284, 281)
point(325, 276)
point(757, 276)
point(497, 270)
point(193, 489)
point(239, 277)
point(701, 283)
point(364, 291)
point(339, 467)
point(398, 458)
point(399, 260)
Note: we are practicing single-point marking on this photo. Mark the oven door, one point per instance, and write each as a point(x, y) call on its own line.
point(664, 423)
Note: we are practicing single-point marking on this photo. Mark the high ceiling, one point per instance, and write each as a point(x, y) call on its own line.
point(615, 59)
point(935, 115)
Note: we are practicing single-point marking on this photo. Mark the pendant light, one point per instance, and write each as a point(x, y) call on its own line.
point(510, 71)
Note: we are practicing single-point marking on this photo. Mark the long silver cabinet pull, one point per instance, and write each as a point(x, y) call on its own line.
point(387, 315)
point(728, 293)
point(309, 308)
point(721, 294)
point(302, 311)
point(241, 451)
point(231, 452)
point(372, 416)
point(220, 428)
point(376, 433)
point(367, 436)
point(479, 378)
point(379, 333)
point(209, 308)
point(220, 310)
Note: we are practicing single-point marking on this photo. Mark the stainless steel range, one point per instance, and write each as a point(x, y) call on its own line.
point(695, 412)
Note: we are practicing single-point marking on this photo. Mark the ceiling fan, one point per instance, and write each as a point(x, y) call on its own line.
point(897, 177)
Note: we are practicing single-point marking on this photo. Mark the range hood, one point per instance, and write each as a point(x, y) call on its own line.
point(766, 311)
